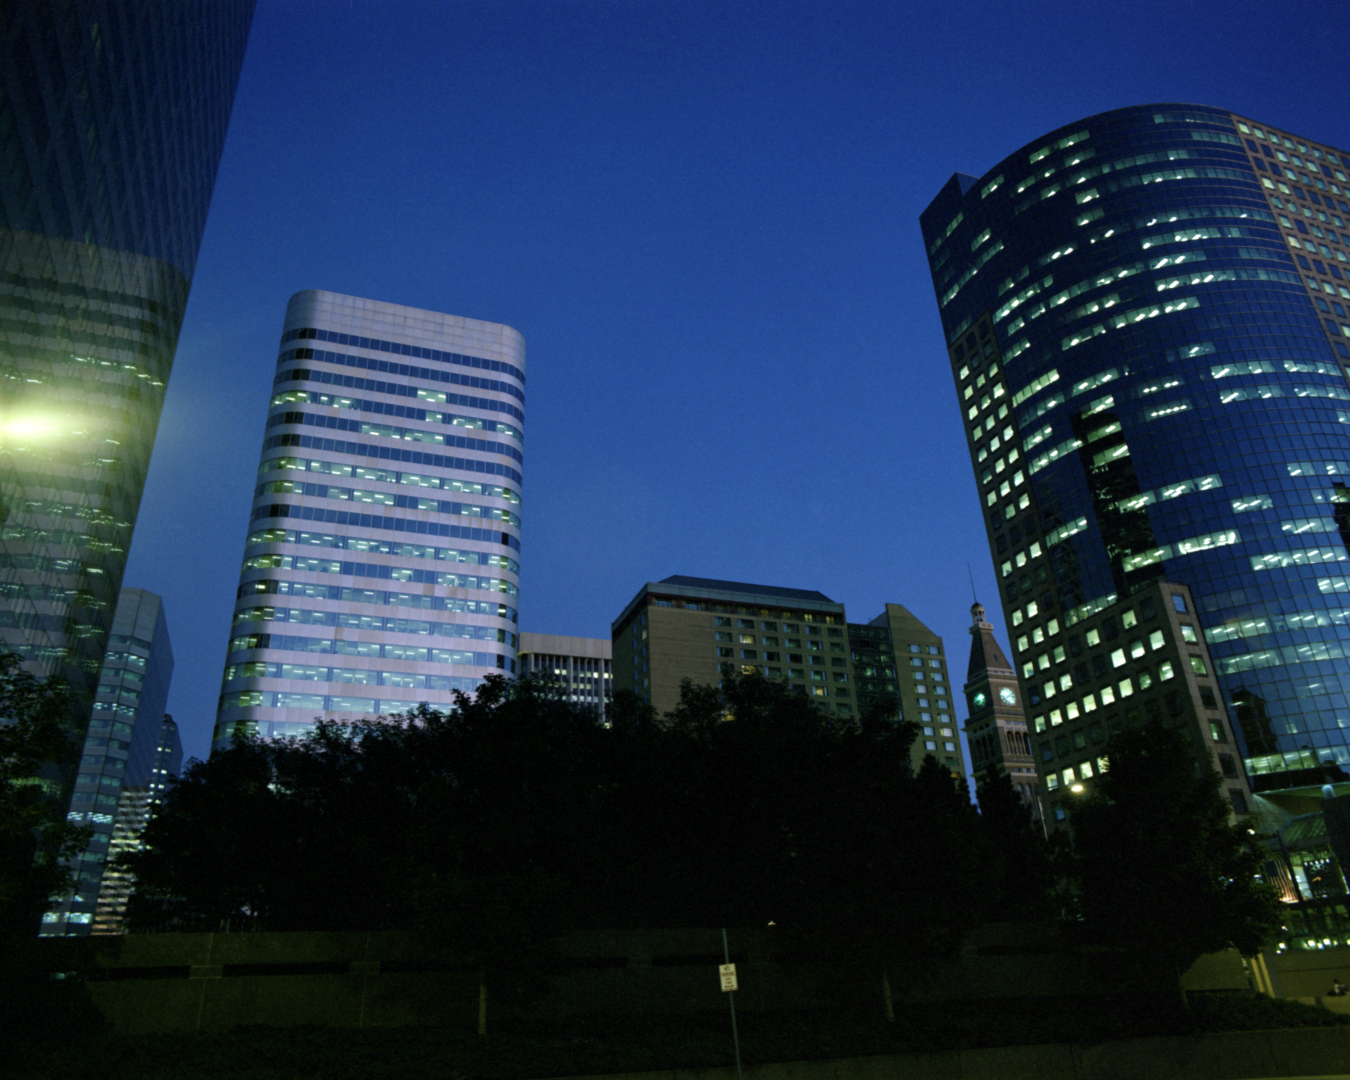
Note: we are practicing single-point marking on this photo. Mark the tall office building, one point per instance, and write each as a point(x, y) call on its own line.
point(112, 122)
point(124, 745)
point(1147, 324)
point(702, 629)
point(381, 567)
point(580, 667)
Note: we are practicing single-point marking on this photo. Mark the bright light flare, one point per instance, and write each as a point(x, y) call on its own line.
point(28, 427)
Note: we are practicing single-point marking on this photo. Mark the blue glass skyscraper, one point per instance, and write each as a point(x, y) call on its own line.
point(112, 122)
point(1147, 321)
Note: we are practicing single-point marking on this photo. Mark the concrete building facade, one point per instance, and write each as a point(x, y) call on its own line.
point(581, 667)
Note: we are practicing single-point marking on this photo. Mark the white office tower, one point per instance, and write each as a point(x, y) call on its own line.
point(381, 567)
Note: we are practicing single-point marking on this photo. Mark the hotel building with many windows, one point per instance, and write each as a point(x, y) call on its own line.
point(1147, 316)
point(703, 630)
point(381, 566)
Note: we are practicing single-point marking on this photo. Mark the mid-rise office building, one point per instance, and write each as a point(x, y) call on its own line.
point(381, 567)
point(996, 730)
point(702, 629)
point(1147, 320)
point(112, 122)
point(123, 746)
point(579, 666)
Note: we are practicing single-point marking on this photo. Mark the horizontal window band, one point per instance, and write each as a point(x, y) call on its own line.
point(341, 423)
point(377, 521)
point(353, 382)
point(392, 453)
point(452, 377)
point(394, 347)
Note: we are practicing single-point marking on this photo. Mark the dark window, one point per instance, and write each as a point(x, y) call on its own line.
point(1061, 745)
point(1079, 740)
point(1080, 673)
point(1174, 705)
point(1148, 609)
point(1075, 645)
point(1238, 800)
point(1228, 767)
point(1110, 630)
point(1301, 227)
point(1095, 733)
point(1099, 666)
point(1179, 602)
point(1047, 752)
point(1207, 698)
point(1303, 262)
point(1002, 544)
point(1152, 710)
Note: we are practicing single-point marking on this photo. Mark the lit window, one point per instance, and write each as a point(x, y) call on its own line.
point(1118, 658)
point(1188, 633)
point(1165, 671)
point(1155, 640)
point(1198, 666)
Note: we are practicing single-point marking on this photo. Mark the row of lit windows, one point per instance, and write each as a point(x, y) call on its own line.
point(388, 476)
point(368, 546)
point(313, 591)
point(384, 498)
point(391, 624)
point(775, 641)
point(344, 647)
point(270, 699)
point(408, 680)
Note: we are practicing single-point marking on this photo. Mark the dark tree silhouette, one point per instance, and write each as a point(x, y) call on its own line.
point(1162, 873)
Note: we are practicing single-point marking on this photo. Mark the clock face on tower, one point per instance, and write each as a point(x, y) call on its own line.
point(980, 699)
point(1007, 696)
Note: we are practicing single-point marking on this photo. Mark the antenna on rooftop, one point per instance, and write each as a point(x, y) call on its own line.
point(973, 594)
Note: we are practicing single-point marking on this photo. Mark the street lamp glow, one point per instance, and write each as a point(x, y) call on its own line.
point(1077, 789)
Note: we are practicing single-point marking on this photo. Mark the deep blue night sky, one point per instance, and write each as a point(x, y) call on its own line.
point(703, 218)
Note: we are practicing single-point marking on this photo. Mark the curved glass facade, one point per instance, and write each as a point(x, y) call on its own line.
point(381, 567)
point(1146, 313)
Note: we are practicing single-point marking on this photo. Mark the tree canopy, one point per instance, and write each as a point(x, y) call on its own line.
point(35, 838)
point(1160, 870)
point(745, 805)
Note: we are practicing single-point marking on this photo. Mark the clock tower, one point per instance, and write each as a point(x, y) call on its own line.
point(997, 728)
